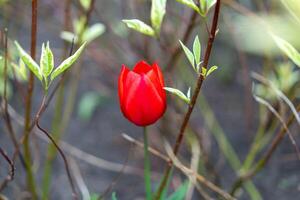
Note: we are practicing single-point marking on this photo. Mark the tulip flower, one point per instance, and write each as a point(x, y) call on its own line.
point(141, 94)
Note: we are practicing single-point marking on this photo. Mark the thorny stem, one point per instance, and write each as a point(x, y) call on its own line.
point(263, 161)
point(36, 120)
point(30, 178)
point(187, 116)
point(11, 173)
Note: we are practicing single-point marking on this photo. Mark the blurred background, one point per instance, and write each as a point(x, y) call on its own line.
point(227, 122)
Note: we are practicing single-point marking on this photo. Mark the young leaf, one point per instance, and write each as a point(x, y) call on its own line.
point(188, 94)
point(67, 63)
point(114, 196)
point(211, 70)
point(88, 104)
point(189, 55)
point(69, 37)
point(179, 194)
point(85, 4)
point(139, 26)
point(178, 93)
point(47, 61)
point(20, 70)
point(210, 3)
point(79, 24)
point(93, 32)
point(189, 3)
point(288, 49)
point(31, 64)
point(197, 50)
point(158, 10)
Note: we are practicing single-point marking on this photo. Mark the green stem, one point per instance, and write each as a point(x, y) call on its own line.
point(147, 166)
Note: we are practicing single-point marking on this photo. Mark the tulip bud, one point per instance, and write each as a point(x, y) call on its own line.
point(141, 94)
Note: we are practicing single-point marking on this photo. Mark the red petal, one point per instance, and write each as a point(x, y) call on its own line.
point(144, 105)
point(142, 67)
point(155, 80)
point(159, 74)
point(121, 83)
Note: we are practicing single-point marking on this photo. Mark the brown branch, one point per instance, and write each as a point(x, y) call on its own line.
point(196, 92)
point(28, 101)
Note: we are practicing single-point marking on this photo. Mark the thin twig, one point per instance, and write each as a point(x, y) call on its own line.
point(6, 115)
point(11, 173)
point(37, 118)
point(180, 166)
point(265, 158)
point(194, 97)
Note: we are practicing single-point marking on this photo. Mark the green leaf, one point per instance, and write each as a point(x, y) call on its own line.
point(93, 32)
point(67, 63)
point(205, 5)
point(114, 196)
point(158, 10)
point(88, 104)
point(178, 93)
point(210, 3)
point(179, 194)
point(47, 60)
point(85, 4)
point(21, 70)
point(288, 49)
point(197, 50)
point(68, 36)
point(188, 94)
point(139, 26)
point(189, 55)
point(31, 64)
point(190, 3)
point(211, 69)
point(79, 25)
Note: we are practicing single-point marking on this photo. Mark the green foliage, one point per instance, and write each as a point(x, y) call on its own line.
point(30, 63)
point(139, 26)
point(181, 95)
point(191, 4)
point(46, 67)
point(114, 196)
point(284, 77)
point(288, 49)
point(197, 50)
point(189, 55)
point(47, 60)
point(179, 194)
point(158, 11)
point(66, 64)
point(195, 56)
point(85, 4)
point(87, 34)
point(205, 6)
point(211, 70)
point(293, 6)
point(88, 104)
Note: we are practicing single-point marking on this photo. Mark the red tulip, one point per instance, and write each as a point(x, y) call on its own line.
point(141, 94)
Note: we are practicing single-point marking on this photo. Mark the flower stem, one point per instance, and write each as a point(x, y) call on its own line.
point(147, 166)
